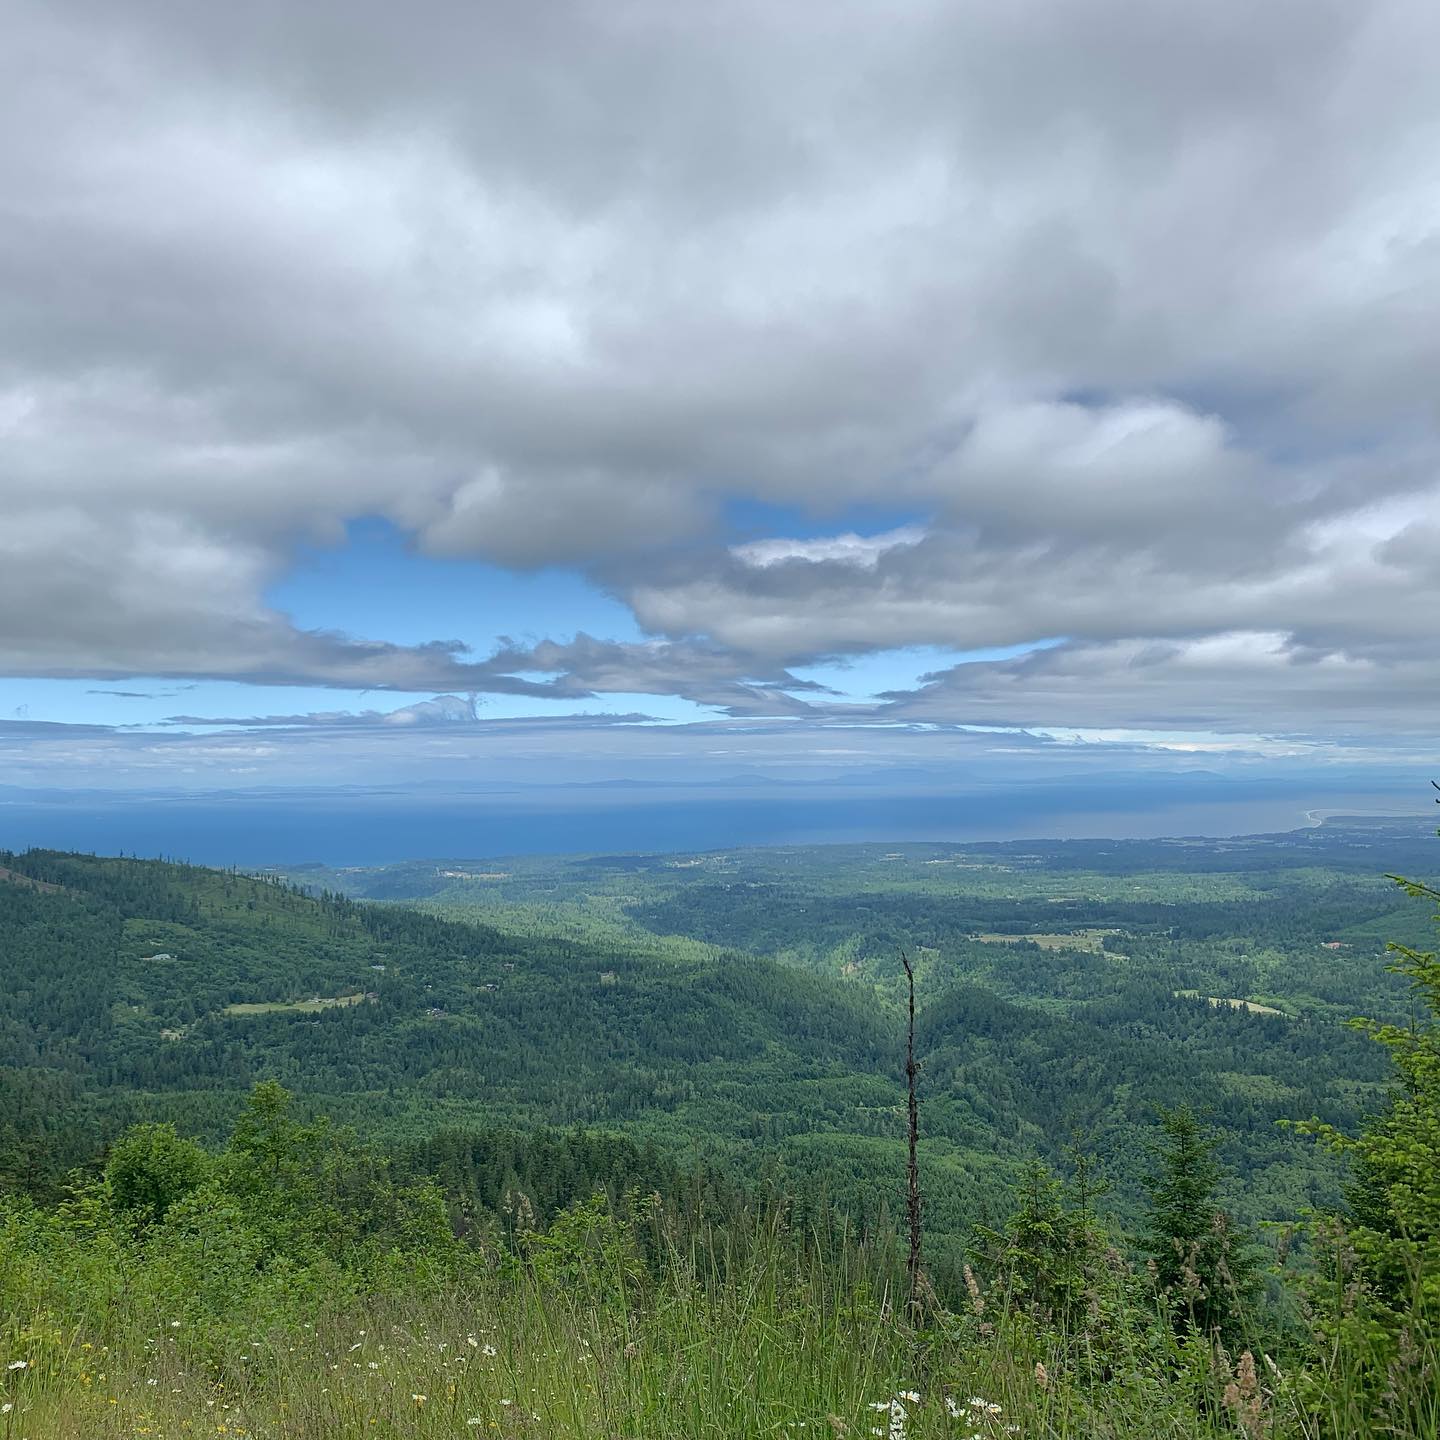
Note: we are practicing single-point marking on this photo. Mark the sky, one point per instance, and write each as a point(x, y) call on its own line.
point(461, 391)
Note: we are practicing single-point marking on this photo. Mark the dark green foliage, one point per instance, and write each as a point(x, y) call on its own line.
point(151, 1169)
point(46, 1130)
point(1061, 1269)
point(586, 1246)
point(754, 1062)
point(1051, 1251)
point(1204, 1264)
point(1375, 1292)
point(543, 999)
point(308, 1206)
point(499, 1176)
point(1394, 1197)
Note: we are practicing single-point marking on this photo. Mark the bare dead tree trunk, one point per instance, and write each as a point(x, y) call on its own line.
point(912, 1167)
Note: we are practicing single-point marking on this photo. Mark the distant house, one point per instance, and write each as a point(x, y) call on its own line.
point(159, 955)
point(436, 1013)
point(609, 977)
point(1333, 945)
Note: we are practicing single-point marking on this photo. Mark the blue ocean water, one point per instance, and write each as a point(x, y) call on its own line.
point(339, 827)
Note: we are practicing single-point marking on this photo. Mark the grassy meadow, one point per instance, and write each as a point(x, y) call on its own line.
point(771, 1351)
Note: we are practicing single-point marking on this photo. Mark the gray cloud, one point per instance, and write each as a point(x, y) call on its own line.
point(534, 750)
point(1249, 682)
point(580, 669)
point(705, 674)
point(1133, 310)
point(1058, 519)
point(443, 712)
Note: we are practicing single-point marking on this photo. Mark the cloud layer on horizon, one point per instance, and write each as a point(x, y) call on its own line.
point(1127, 316)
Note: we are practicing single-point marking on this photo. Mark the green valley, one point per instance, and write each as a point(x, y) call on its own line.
point(677, 1083)
point(743, 1008)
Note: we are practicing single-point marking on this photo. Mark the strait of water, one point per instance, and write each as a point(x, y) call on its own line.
point(367, 828)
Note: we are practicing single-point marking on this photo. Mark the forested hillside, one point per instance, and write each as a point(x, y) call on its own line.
point(737, 1009)
point(136, 978)
point(720, 1040)
point(1066, 987)
point(289, 1276)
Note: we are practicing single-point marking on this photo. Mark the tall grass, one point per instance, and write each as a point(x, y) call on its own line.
point(726, 1337)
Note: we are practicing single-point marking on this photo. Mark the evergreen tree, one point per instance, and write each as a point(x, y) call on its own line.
point(1049, 1249)
point(1376, 1295)
point(1203, 1264)
point(1394, 1198)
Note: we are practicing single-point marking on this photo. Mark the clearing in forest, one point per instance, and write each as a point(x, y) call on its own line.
point(1091, 940)
point(327, 1002)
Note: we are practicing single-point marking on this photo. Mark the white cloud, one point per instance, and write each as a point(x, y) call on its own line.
point(1138, 307)
point(849, 549)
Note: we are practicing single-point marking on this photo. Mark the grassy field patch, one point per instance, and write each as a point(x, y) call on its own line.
point(1091, 940)
point(1253, 1007)
point(268, 1007)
